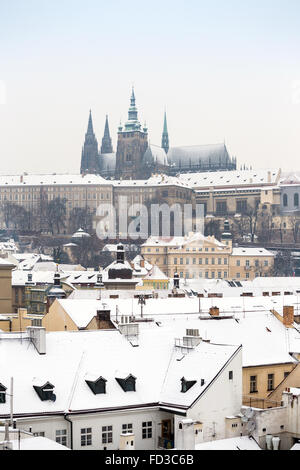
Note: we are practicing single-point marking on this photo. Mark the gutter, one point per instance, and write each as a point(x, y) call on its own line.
point(71, 430)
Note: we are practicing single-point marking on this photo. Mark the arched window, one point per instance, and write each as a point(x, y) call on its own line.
point(296, 199)
point(285, 200)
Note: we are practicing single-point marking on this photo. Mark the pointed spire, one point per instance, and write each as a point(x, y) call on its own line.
point(132, 99)
point(90, 129)
point(165, 135)
point(106, 146)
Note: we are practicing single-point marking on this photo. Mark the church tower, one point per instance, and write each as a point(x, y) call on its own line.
point(132, 144)
point(106, 146)
point(165, 136)
point(89, 155)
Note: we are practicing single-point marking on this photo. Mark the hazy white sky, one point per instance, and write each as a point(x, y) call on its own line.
point(224, 69)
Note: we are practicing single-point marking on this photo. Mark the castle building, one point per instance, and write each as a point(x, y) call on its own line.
point(136, 158)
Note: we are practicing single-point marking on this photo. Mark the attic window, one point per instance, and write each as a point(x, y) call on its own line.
point(45, 392)
point(2, 393)
point(97, 386)
point(186, 384)
point(128, 383)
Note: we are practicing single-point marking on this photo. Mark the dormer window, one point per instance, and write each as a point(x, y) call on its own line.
point(96, 385)
point(127, 383)
point(186, 384)
point(2, 393)
point(45, 391)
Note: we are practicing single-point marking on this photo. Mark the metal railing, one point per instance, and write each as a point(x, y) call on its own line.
point(262, 403)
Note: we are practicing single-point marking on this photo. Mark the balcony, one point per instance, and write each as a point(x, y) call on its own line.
point(164, 443)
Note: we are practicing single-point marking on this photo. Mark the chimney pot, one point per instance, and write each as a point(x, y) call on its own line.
point(214, 311)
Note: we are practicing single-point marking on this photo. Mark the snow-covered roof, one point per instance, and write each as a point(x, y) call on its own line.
point(156, 274)
point(155, 180)
point(178, 241)
point(233, 443)
point(231, 178)
point(54, 179)
point(71, 355)
point(262, 335)
point(240, 251)
point(37, 443)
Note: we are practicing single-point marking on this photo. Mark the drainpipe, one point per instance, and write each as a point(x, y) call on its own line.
point(71, 430)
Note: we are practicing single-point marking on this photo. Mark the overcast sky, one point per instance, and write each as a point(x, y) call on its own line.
point(224, 69)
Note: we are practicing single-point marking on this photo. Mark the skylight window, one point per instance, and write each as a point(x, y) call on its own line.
point(127, 383)
point(186, 384)
point(97, 386)
point(45, 392)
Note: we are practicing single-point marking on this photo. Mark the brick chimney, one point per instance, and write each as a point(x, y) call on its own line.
point(214, 311)
point(142, 263)
point(288, 316)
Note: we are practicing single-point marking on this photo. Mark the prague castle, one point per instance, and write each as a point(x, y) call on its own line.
point(136, 158)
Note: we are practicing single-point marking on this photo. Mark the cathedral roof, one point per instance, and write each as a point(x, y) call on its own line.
point(214, 154)
point(155, 155)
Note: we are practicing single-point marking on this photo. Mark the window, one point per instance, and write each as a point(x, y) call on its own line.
point(200, 260)
point(213, 261)
point(206, 260)
point(219, 275)
point(241, 206)
point(86, 436)
point(127, 427)
point(247, 263)
point(175, 260)
point(39, 434)
point(181, 260)
point(230, 375)
point(221, 208)
point(266, 262)
point(147, 430)
point(296, 199)
point(270, 382)
point(225, 260)
point(206, 274)
point(256, 262)
point(194, 260)
point(187, 260)
point(285, 374)
point(238, 263)
point(253, 384)
point(285, 200)
point(238, 275)
point(107, 435)
point(219, 260)
point(61, 436)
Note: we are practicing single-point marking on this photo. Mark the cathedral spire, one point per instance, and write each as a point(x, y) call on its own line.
point(89, 156)
point(90, 129)
point(106, 146)
point(165, 135)
point(132, 123)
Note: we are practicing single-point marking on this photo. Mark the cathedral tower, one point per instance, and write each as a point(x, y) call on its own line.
point(106, 146)
point(89, 155)
point(165, 136)
point(132, 144)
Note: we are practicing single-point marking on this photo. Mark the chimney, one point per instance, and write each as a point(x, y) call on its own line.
point(214, 311)
point(120, 254)
point(288, 316)
point(269, 177)
point(37, 336)
point(21, 179)
point(142, 263)
point(176, 281)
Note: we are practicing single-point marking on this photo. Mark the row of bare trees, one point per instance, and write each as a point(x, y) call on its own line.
point(49, 216)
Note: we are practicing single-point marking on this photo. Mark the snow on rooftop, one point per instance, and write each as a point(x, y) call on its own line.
point(71, 355)
point(37, 443)
point(231, 178)
point(54, 179)
point(233, 443)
